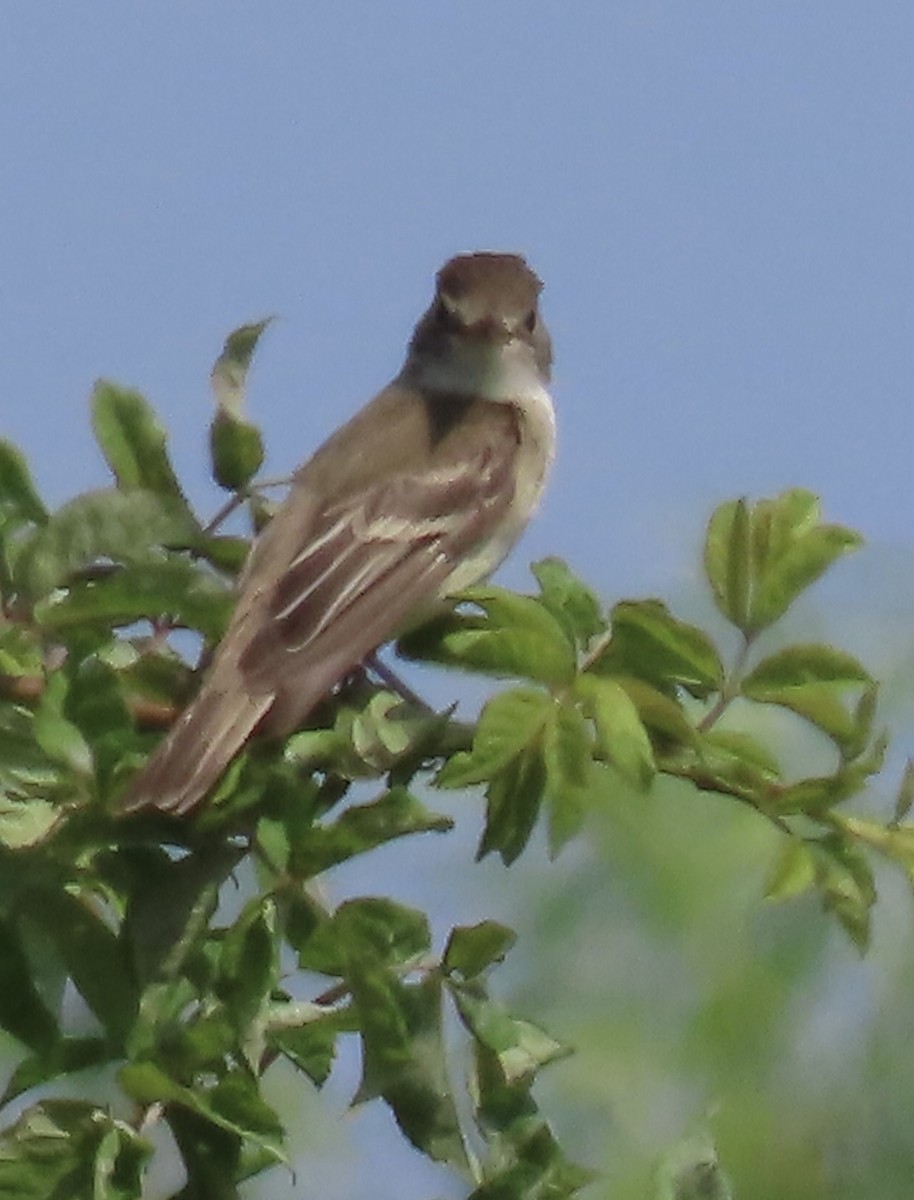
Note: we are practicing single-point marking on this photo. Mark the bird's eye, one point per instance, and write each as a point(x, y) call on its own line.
point(530, 320)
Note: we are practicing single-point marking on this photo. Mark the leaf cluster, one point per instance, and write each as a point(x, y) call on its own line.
point(191, 1008)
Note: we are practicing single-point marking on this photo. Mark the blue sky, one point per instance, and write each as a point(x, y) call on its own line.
point(718, 196)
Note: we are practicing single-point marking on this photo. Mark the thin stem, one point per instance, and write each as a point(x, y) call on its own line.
point(731, 686)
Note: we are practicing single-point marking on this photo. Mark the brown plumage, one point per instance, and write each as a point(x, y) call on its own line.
point(420, 493)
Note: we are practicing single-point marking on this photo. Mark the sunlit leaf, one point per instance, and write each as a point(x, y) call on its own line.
point(515, 637)
point(801, 564)
point(569, 600)
point(132, 440)
point(793, 872)
point(728, 560)
point(568, 748)
point(621, 736)
point(509, 723)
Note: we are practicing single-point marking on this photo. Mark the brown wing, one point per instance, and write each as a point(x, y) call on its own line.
point(331, 581)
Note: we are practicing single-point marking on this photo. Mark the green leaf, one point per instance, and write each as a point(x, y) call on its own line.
point(171, 587)
point(570, 601)
point(120, 526)
point(26, 822)
point(510, 723)
point(778, 522)
point(132, 440)
point(66, 1056)
point(568, 757)
point(659, 713)
point(513, 801)
point(171, 902)
point(236, 450)
point(905, 797)
point(21, 651)
point(403, 1058)
point(22, 1011)
point(362, 828)
point(845, 879)
point(524, 1158)
point(793, 872)
point(92, 955)
point(471, 949)
point(249, 963)
point(17, 491)
point(649, 643)
point(813, 681)
point(801, 564)
point(233, 1104)
point(521, 1047)
point(68, 1148)
point(516, 637)
point(621, 736)
point(307, 1034)
point(740, 759)
point(728, 560)
point(230, 370)
point(57, 736)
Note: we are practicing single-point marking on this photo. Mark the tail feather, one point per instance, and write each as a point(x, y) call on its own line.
point(199, 747)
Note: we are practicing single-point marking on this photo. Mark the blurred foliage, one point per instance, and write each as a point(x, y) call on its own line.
point(630, 723)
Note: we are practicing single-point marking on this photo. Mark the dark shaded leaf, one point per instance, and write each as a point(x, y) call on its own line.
point(361, 828)
point(513, 801)
point(521, 1047)
point(22, 1010)
point(403, 1058)
point(92, 956)
point(471, 949)
point(64, 1057)
point(649, 643)
point(249, 963)
point(68, 1149)
point(236, 450)
point(233, 1104)
point(307, 1036)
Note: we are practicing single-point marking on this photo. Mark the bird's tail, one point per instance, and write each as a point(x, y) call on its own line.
point(200, 745)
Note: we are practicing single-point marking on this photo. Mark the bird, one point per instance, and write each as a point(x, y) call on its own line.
point(418, 496)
